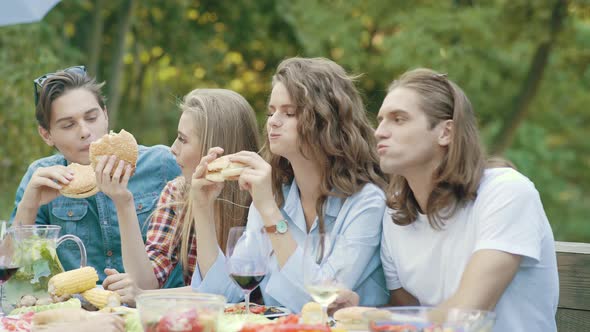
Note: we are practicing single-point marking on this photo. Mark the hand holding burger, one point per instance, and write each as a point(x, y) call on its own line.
point(122, 145)
point(44, 187)
point(222, 169)
point(203, 191)
point(113, 158)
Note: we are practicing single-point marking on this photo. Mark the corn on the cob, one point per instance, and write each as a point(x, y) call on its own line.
point(72, 282)
point(101, 298)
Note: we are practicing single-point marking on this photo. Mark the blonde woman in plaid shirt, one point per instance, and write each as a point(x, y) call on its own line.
point(210, 117)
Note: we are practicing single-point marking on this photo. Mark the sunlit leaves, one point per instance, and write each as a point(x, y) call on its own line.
point(175, 46)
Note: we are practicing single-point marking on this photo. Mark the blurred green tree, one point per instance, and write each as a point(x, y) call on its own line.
point(524, 65)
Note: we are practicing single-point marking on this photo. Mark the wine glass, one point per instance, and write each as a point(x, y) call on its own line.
point(247, 259)
point(324, 280)
point(7, 268)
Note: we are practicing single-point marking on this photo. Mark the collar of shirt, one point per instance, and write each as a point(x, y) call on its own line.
point(294, 210)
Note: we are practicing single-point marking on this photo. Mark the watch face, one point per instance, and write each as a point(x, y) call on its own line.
point(282, 226)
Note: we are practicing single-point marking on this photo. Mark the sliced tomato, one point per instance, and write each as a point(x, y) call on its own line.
point(259, 309)
point(250, 328)
point(238, 308)
point(187, 321)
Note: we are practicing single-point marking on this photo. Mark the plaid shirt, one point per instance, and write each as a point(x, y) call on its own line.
point(163, 240)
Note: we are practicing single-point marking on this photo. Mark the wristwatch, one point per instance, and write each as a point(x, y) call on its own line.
point(280, 227)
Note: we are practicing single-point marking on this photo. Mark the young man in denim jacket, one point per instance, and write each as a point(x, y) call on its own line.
point(71, 114)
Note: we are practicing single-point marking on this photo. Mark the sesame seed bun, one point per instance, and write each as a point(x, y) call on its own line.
point(123, 145)
point(84, 183)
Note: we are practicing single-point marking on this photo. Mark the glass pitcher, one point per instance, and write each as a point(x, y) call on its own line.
point(36, 256)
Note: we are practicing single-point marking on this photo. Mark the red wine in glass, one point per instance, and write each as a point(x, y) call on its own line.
point(6, 272)
point(247, 265)
point(248, 282)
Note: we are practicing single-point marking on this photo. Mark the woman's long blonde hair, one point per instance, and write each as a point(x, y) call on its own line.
point(221, 118)
point(458, 175)
point(332, 127)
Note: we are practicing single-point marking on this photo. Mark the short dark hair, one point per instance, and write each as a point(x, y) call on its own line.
point(60, 83)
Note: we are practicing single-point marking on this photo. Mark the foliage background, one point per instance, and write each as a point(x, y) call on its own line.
point(524, 64)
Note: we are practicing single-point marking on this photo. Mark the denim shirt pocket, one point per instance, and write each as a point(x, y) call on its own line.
point(70, 216)
point(144, 206)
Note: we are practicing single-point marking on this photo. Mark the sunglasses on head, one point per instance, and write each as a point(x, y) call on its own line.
point(38, 82)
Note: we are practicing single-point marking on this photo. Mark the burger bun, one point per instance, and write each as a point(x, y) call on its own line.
point(84, 183)
point(222, 169)
point(122, 145)
point(352, 318)
point(311, 313)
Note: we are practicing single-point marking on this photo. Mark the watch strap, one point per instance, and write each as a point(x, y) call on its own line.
point(271, 229)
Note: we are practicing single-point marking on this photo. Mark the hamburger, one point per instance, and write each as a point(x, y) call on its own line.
point(311, 313)
point(352, 318)
point(123, 145)
point(222, 169)
point(84, 183)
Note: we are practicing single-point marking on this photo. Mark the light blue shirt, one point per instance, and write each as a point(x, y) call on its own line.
point(358, 218)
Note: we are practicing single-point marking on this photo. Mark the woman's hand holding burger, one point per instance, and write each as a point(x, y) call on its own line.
point(256, 178)
point(251, 171)
point(204, 191)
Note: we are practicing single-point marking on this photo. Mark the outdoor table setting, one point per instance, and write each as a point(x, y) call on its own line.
point(205, 312)
point(36, 287)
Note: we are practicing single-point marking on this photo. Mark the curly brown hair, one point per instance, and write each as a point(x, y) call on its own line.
point(333, 129)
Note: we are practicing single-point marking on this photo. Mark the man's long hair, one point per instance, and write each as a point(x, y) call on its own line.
point(458, 175)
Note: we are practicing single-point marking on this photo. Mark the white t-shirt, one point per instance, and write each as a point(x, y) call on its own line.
point(507, 215)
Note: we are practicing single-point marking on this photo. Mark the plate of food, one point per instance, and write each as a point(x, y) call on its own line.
point(17, 322)
point(235, 322)
point(263, 310)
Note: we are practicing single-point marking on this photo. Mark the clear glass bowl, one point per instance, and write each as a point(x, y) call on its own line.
point(179, 312)
point(428, 319)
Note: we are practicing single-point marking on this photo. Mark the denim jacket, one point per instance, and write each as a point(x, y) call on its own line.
point(94, 219)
